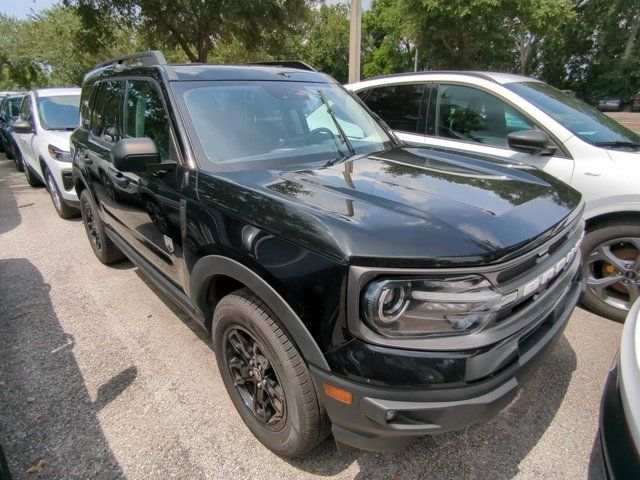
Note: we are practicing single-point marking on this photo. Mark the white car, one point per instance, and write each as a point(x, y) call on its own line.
point(620, 405)
point(526, 120)
point(48, 116)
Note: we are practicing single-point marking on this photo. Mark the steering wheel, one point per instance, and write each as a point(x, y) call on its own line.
point(317, 132)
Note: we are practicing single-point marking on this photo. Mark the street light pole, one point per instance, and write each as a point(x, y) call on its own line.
point(355, 37)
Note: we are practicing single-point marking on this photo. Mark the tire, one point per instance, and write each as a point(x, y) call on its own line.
point(102, 246)
point(607, 249)
point(63, 210)
point(17, 161)
point(31, 177)
point(302, 422)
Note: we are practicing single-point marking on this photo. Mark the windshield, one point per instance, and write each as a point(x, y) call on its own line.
point(13, 109)
point(60, 112)
point(279, 122)
point(581, 119)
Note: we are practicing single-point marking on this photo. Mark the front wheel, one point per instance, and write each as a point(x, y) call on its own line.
point(62, 209)
point(611, 268)
point(265, 376)
point(101, 244)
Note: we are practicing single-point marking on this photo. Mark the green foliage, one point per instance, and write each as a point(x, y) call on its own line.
point(46, 49)
point(325, 44)
point(196, 27)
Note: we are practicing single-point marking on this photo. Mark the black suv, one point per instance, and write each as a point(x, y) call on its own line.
point(348, 280)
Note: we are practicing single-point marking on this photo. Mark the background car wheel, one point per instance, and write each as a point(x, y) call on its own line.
point(611, 267)
point(267, 379)
point(102, 246)
point(32, 179)
point(62, 209)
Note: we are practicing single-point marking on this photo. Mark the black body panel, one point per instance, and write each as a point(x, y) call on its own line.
point(295, 234)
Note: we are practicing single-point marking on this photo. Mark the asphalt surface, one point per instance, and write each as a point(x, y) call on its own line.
point(100, 377)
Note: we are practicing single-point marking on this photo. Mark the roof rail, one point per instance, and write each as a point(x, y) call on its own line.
point(471, 73)
point(286, 64)
point(147, 59)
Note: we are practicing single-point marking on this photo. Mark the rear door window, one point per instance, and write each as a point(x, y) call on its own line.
point(400, 106)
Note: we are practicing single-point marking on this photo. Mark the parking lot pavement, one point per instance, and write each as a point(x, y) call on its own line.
point(631, 120)
point(102, 378)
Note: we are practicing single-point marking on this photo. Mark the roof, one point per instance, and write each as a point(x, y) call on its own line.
point(497, 77)
point(54, 92)
point(182, 72)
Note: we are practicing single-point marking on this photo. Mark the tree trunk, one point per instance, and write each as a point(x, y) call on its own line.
point(633, 35)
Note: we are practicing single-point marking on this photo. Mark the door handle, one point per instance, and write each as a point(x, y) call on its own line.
point(593, 174)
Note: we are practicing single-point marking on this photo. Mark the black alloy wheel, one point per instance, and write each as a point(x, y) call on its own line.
point(255, 379)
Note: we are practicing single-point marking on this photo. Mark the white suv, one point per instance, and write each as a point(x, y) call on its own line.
point(47, 118)
point(526, 120)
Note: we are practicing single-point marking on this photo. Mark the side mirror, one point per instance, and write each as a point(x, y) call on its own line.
point(21, 126)
point(529, 141)
point(135, 154)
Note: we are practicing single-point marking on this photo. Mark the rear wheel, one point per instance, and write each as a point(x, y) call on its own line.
point(611, 268)
point(102, 246)
point(62, 209)
point(31, 177)
point(17, 160)
point(267, 379)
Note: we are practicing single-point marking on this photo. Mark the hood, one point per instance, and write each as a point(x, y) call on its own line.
point(402, 207)
point(628, 158)
point(58, 138)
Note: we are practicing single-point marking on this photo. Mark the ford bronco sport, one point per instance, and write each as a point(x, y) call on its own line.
point(349, 281)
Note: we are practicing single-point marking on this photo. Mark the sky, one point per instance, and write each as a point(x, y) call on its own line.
point(21, 8)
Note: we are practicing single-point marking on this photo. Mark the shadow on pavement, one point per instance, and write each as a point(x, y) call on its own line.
point(491, 450)
point(46, 412)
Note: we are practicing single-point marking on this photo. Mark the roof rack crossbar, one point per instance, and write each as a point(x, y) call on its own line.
point(148, 59)
point(285, 64)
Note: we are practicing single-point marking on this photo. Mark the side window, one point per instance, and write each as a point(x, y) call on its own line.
point(85, 96)
point(400, 106)
point(26, 113)
point(145, 115)
point(106, 115)
point(469, 114)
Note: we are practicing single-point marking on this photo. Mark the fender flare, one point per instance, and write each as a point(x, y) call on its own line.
point(211, 265)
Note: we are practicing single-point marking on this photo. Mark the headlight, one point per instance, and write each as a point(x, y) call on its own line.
point(429, 307)
point(59, 155)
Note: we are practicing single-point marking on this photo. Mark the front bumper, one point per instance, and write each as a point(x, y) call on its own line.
point(620, 457)
point(384, 418)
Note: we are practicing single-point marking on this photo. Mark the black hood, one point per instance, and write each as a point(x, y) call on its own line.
point(402, 207)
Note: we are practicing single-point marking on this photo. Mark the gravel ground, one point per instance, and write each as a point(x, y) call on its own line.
point(100, 377)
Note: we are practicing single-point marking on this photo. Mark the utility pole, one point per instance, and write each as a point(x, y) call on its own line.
point(355, 38)
point(415, 60)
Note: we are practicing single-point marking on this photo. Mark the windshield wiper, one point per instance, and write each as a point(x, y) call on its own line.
point(332, 114)
point(618, 144)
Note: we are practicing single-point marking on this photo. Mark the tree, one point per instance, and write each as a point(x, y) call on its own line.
point(387, 42)
point(197, 26)
point(325, 44)
point(458, 34)
point(531, 23)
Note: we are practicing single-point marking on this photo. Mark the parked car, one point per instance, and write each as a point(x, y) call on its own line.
point(620, 407)
point(521, 119)
point(47, 118)
point(9, 112)
point(611, 104)
point(345, 277)
point(635, 103)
